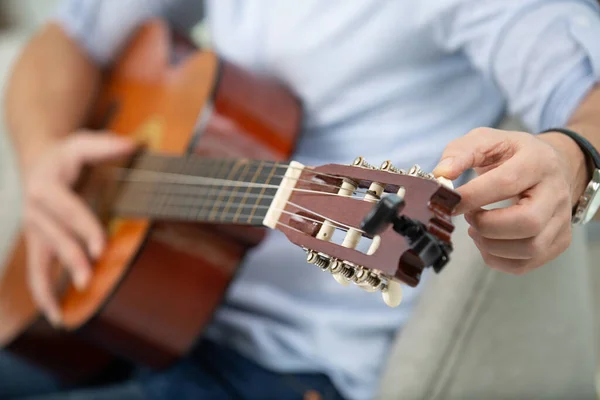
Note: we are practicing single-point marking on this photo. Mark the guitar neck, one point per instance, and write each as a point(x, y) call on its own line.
point(194, 188)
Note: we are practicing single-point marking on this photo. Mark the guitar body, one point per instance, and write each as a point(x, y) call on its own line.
point(157, 285)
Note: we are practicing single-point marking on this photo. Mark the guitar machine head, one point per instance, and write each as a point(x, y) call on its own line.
point(404, 218)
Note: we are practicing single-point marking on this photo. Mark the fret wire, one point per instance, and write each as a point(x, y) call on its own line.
point(233, 195)
point(220, 170)
point(244, 199)
point(262, 192)
point(233, 171)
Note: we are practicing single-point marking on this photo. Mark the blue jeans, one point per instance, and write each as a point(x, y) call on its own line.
point(211, 372)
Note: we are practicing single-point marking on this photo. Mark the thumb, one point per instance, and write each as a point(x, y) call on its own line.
point(92, 147)
point(479, 148)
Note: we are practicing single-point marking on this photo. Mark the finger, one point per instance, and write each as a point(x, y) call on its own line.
point(507, 265)
point(39, 265)
point(521, 249)
point(66, 247)
point(71, 211)
point(480, 148)
point(524, 219)
point(520, 266)
point(90, 147)
point(509, 180)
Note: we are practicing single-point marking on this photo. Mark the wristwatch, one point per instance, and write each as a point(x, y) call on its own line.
point(588, 204)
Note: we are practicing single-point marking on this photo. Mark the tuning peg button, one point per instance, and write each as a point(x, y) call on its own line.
point(341, 279)
point(392, 294)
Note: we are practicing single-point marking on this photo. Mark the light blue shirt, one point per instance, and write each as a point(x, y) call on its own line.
point(385, 79)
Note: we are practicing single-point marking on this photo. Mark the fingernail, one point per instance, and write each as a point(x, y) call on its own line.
point(468, 217)
point(81, 281)
point(443, 166)
point(95, 249)
point(55, 320)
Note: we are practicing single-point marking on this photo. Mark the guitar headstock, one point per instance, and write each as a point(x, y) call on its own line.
point(391, 223)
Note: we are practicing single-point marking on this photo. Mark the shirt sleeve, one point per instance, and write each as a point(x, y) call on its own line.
point(542, 55)
point(102, 27)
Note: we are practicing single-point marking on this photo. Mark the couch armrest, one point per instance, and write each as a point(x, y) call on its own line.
point(478, 333)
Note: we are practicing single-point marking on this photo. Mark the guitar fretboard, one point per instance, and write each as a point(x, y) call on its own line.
point(194, 188)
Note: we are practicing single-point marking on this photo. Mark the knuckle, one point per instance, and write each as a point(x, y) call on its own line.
point(565, 242)
point(535, 247)
point(488, 259)
point(480, 131)
point(34, 191)
point(480, 223)
point(73, 254)
point(532, 222)
point(509, 181)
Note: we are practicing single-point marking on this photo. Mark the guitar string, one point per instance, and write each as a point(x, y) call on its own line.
point(339, 225)
point(203, 160)
point(214, 168)
point(229, 203)
point(138, 171)
point(206, 181)
point(163, 206)
point(198, 181)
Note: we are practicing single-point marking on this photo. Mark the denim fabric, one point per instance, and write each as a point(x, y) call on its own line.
point(210, 372)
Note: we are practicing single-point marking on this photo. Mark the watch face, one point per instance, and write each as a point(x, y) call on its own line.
point(590, 202)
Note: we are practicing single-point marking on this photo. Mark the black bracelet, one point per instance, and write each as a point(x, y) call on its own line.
point(588, 149)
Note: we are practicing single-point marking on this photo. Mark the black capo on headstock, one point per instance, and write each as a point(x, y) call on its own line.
point(431, 250)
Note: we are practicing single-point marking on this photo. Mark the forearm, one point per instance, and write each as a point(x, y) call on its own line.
point(50, 92)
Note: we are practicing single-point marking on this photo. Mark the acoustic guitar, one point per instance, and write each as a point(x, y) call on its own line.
point(212, 177)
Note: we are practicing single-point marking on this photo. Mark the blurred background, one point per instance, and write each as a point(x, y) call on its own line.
point(20, 18)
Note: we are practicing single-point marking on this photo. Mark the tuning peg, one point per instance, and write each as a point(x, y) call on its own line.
point(392, 294)
point(388, 166)
point(313, 257)
point(360, 162)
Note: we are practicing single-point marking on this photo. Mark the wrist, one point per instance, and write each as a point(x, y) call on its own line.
point(28, 154)
point(578, 167)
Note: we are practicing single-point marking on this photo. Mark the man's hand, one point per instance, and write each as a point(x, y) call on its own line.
point(58, 225)
point(544, 177)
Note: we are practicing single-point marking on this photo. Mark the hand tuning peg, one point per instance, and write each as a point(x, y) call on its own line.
point(429, 249)
point(392, 294)
point(341, 279)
